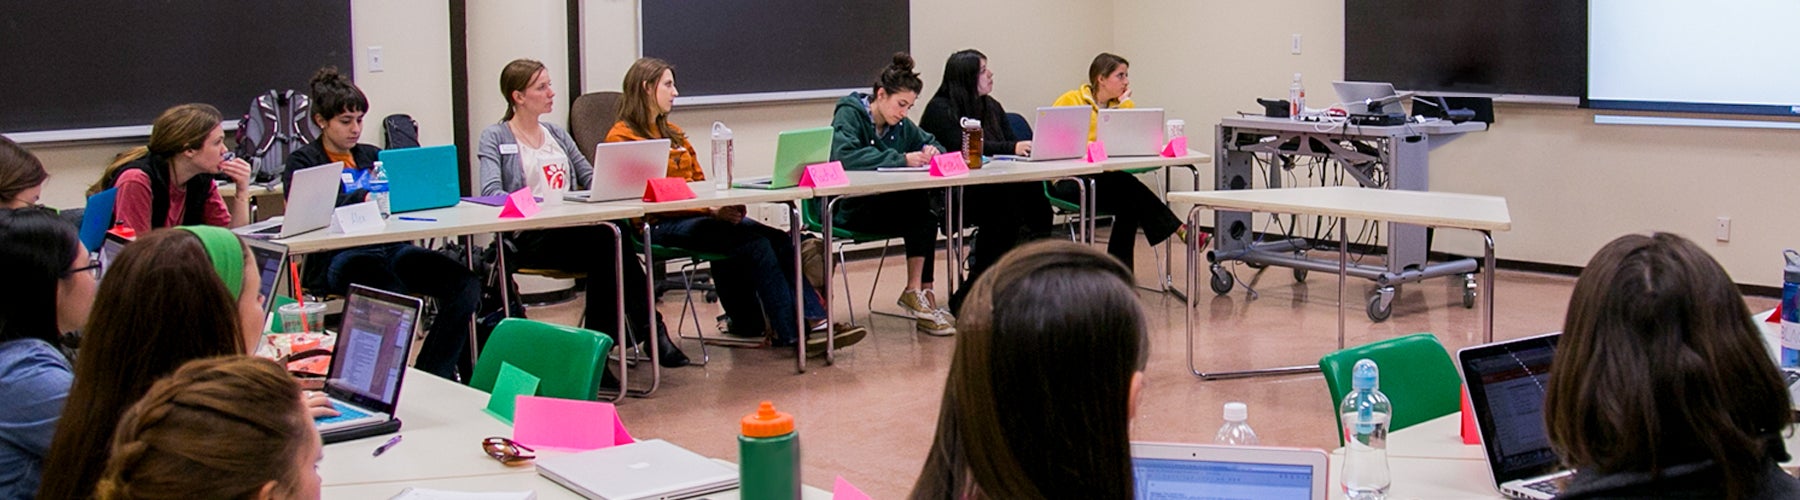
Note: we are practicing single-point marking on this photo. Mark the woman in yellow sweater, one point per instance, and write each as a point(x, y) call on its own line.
point(1130, 202)
point(759, 260)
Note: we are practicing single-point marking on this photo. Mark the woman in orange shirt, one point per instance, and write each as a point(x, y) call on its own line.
point(759, 262)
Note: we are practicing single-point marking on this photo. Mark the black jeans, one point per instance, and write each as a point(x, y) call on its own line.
point(1005, 216)
point(758, 269)
point(589, 249)
point(906, 214)
point(408, 269)
point(1132, 205)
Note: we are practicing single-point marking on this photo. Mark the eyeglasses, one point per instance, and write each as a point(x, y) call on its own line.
point(507, 451)
point(92, 270)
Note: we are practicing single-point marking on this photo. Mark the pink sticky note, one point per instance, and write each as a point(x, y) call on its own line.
point(949, 165)
point(667, 189)
point(1176, 147)
point(826, 174)
point(1096, 152)
point(843, 490)
point(567, 424)
point(520, 204)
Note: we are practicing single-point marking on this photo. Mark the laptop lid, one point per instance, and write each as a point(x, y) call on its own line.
point(1169, 470)
point(1506, 382)
point(311, 197)
point(794, 150)
point(421, 178)
point(622, 169)
point(645, 469)
point(109, 251)
point(1357, 96)
point(372, 347)
point(1130, 132)
point(271, 263)
point(1061, 133)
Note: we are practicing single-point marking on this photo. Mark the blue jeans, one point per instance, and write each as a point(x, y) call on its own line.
point(758, 269)
point(408, 269)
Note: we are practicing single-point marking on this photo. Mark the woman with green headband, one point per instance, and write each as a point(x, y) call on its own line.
point(170, 297)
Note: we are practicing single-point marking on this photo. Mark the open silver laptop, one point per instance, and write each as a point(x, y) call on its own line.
point(1060, 133)
point(369, 363)
point(653, 469)
point(1506, 383)
point(1369, 97)
point(622, 169)
point(1168, 470)
point(1131, 132)
point(311, 197)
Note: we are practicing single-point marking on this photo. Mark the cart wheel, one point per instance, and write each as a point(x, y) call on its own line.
point(1222, 280)
point(1300, 274)
point(1379, 312)
point(1469, 291)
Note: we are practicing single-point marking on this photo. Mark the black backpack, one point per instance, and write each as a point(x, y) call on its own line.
point(400, 131)
point(279, 122)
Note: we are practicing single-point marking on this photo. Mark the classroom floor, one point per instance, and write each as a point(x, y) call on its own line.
point(871, 416)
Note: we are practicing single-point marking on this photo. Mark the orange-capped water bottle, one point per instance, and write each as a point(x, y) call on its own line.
point(769, 450)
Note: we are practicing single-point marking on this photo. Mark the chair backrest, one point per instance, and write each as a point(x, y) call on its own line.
point(97, 218)
point(569, 361)
point(1021, 128)
point(591, 116)
point(1417, 376)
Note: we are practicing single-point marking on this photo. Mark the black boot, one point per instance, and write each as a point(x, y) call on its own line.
point(671, 356)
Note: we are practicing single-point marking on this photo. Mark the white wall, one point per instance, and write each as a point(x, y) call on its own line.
point(501, 31)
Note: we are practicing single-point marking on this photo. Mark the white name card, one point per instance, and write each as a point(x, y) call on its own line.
point(359, 218)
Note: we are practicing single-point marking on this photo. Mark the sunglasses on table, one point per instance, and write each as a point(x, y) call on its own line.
point(507, 451)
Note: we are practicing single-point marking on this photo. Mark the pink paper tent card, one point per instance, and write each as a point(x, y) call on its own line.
point(949, 165)
point(826, 174)
point(567, 424)
point(1096, 152)
point(519, 204)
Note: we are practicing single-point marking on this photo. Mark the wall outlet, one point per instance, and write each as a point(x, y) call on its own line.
point(1296, 49)
point(375, 59)
point(1722, 230)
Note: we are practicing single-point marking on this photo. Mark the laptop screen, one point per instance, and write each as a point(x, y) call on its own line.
point(1164, 478)
point(1507, 384)
point(270, 258)
point(372, 346)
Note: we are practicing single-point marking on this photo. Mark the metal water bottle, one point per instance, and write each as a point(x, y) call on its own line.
point(722, 156)
point(1790, 311)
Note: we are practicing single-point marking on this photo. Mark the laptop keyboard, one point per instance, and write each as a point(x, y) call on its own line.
point(345, 414)
point(1547, 486)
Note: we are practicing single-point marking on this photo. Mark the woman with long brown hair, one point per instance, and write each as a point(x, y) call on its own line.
point(1662, 386)
point(50, 282)
point(21, 175)
point(1019, 419)
point(169, 182)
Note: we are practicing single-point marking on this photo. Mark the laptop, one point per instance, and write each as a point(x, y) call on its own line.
point(311, 197)
point(1168, 470)
point(271, 264)
point(369, 363)
point(1368, 97)
point(1060, 134)
point(794, 150)
point(1506, 382)
point(422, 178)
point(1130, 132)
point(621, 169)
point(653, 469)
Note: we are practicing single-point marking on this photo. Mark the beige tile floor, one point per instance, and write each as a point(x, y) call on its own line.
point(870, 416)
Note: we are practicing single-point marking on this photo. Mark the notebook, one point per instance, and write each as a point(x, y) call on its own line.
point(1130, 132)
point(794, 150)
point(621, 169)
point(1168, 470)
point(1506, 383)
point(421, 178)
point(1061, 134)
point(311, 197)
point(369, 364)
point(653, 469)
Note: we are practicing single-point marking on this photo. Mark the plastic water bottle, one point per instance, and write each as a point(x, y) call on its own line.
point(1790, 311)
point(971, 142)
point(378, 188)
point(722, 156)
point(1365, 414)
point(770, 451)
point(1296, 99)
point(1236, 430)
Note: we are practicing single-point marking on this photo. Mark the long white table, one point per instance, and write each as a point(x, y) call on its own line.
point(1482, 214)
point(443, 428)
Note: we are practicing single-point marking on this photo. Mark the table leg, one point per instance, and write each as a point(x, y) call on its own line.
point(1193, 256)
point(649, 304)
point(505, 275)
point(468, 243)
point(800, 287)
point(619, 291)
point(951, 234)
point(827, 207)
point(1487, 283)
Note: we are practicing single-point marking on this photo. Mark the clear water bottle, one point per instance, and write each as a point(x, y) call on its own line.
point(722, 156)
point(378, 188)
point(1365, 414)
point(1236, 430)
point(971, 142)
point(1790, 311)
point(1296, 99)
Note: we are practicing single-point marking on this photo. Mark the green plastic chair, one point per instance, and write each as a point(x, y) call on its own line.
point(569, 361)
point(1416, 375)
point(810, 213)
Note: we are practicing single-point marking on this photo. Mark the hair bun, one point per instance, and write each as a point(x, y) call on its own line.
point(328, 75)
point(903, 61)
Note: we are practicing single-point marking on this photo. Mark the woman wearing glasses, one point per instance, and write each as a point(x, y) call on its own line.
point(52, 287)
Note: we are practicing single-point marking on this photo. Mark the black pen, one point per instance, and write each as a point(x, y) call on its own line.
point(384, 446)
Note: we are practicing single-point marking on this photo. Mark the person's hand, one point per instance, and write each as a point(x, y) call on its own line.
point(930, 151)
point(1022, 148)
point(733, 214)
point(917, 159)
point(1125, 96)
point(238, 170)
point(317, 405)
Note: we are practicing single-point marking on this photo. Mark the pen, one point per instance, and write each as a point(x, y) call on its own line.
point(384, 446)
point(418, 219)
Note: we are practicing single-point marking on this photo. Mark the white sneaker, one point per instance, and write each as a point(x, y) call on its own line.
point(917, 305)
point(942, 312)
point(940, 325)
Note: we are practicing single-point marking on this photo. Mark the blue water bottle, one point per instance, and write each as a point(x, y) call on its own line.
point(1790, 311)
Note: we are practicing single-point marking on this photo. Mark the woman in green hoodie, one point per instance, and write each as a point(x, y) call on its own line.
point(871, 131)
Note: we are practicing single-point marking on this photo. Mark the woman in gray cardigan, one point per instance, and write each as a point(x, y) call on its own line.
point(522, 152)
